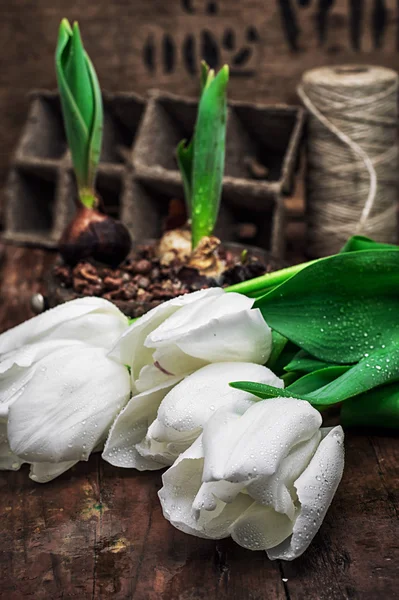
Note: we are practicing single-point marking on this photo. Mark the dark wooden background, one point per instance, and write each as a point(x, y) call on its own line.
point(97, 532)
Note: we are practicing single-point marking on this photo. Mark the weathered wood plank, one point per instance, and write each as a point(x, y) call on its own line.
point(97, 532)
point(48, 535)
point(354, 554)
point(22, 273)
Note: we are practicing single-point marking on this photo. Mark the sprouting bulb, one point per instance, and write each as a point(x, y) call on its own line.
point(92, 234)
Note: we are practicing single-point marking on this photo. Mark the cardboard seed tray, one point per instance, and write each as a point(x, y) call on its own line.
point(138, 174)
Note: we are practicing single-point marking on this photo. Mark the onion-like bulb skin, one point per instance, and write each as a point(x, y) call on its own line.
point(91, 234)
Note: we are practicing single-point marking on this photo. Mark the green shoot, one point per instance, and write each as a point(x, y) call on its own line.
point(81, 105)
point(201, 162)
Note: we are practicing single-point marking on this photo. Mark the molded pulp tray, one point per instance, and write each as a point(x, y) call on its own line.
point(138, 175)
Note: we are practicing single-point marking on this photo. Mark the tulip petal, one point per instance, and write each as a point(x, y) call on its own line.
point(8, 460)
point(130, 427)
point(11, 386)
point(278, 490)
point(44, 472)
point(243, 448)
point(180, 486)
point(130, 349)
point(188, 406)
point(157, 454)
point(243, 336)
point(92, 320)
point(68, 405)
point(197, 314)
point(260, 528)
point(151, 377)
point(97, 329)
point(176, 362)
point(17, 367)
point(217, 525)
point(29, 354)
point(210, 494)
point(168, 363)
point(315, 488)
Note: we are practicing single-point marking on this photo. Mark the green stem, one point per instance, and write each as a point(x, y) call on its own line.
point(258, 285)
point(88, 197)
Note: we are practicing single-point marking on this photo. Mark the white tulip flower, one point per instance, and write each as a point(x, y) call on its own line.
point(266, 477)
point(158, 424)
point(66, 409)
point(94, 321)
point(184, 334)
point(56, 377)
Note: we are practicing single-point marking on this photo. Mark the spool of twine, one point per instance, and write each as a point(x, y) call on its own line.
point(352, 155)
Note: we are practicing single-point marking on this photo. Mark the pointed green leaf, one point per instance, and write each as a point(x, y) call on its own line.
point(282, 355)
point(209, 78)
point(318, 379)
point(305, 362)
point(78, 77)
point(359, 242)
point(278, 344)
point(209, 152)
point(262, 390)
point(380, 367)
point(81, 106)
point(289, 378)
point(377, 408)
point(185, 161)
point(96, 131)
point(76, 129)
point(205, 68)
point(185, 151)
point(340, 307)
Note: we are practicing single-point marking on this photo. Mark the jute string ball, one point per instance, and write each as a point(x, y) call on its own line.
point(352, 155)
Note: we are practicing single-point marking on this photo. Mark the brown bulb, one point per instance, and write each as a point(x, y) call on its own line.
point(94, 235)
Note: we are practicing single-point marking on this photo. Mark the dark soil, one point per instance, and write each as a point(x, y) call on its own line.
point(141, 282)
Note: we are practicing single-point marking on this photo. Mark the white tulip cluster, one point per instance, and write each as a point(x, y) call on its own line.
point(59, 390)
point(79, 379)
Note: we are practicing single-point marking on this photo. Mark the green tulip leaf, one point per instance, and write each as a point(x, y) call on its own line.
point(75, 127)
point(305, 362)
point(205, 70)
point(359, 242)
point(279, 342)
point(376, 408)
point(263, 391)
point(339, 308)
point(185, 153)
point(380, 367)
point(96, 131)
point(336, 384)
point(208, 155)
point(290, 377)
point(81, 105)
point(318, 379)
point(281, 356)
point(77, 75)
point(259, 286)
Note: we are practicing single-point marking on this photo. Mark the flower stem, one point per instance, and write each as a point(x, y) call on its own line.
point(260, 285)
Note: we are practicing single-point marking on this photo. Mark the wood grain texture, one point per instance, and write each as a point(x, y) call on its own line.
point(97, 532)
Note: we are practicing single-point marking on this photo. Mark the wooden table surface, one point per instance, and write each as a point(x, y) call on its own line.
point(97, 531)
